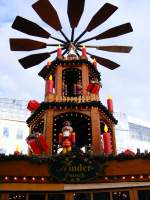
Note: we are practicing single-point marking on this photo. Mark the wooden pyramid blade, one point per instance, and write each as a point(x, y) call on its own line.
point(115, 31)
point(33, 60)
point(29, 27)
point(116, 49)
point(75, 11)
point(22, 44)
point(47, 13)
point(101, 16)
point(105, 62)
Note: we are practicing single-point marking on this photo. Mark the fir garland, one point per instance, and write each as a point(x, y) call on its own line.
point(98, 158)
point(46, 105)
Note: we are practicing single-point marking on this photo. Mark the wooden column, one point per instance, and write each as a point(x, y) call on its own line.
point(96, 132)
point(133, 194)
point(4, 196)
point(58, 83)
point(69, 196)
point(85, 78)
point(27, 196)
point(48, 129)
point(113, 140)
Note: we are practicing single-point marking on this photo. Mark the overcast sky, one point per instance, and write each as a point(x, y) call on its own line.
point(128, 85)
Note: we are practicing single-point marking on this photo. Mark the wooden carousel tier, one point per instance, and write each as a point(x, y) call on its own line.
point(74, 169)
point(72, 104)
point(44, 73)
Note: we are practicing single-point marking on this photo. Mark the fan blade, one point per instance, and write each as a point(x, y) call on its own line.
point(75, 11)
point(101, 16)
point(33, 60)
point(47, 13)
point(116, 31)
point(118, 49)
point(29, 27)
point(105, 62)
point(21, 44)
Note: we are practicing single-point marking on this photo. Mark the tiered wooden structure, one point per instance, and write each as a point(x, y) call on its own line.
point(20, 174)
point(90, 170)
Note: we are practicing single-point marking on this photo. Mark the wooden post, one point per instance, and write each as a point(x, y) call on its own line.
point(4, 196)
point(133, 194)
point(69, 196)
point(58, 80)
point(48, 130)
point(27, 196)
point(85, 78)
point(113, 140)
point(96, 132)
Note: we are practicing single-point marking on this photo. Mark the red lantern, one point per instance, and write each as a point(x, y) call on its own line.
point(42, 143)
point(33, 105)
point(110, 104)
point(34, 146)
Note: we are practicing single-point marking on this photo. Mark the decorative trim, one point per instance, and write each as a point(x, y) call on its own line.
point(46, 105)
point(44, 73)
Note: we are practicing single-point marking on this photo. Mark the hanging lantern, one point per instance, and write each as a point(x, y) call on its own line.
point(41, 142)
point(107, 141)
point(33, 105)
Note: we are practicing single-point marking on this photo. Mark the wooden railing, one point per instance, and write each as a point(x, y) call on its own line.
point(80, 99)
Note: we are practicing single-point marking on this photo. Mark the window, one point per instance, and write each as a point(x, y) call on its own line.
point(36, 196)
point(19, 134)
point(121, 195)
point(17, 195)
point(6, 132)
point(144, 195)
point(56, 197)
point(101, 195)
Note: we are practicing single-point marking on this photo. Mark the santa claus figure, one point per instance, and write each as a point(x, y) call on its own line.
point(67, 137)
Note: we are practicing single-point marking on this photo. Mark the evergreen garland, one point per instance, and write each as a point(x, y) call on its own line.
point(98, 158)
point(46, 105)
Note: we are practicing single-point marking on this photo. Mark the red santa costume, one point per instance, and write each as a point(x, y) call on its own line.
point(67, 137)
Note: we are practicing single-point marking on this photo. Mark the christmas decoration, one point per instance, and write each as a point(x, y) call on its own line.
point(59, 52)
point(50, 84)
point(93, 87)
point(33, 105)
point(110, 104)
point(67, 137)
point(107, 141)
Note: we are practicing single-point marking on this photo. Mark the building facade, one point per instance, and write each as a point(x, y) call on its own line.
point(132, 133)
point(13, 128)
